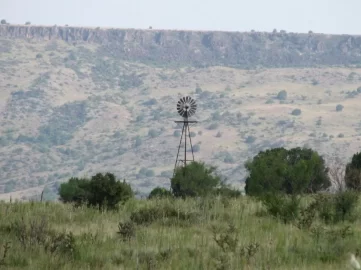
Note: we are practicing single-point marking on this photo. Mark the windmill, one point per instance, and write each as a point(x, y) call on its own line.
point(186, 107)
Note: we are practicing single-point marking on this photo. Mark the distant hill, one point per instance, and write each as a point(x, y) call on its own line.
point(77, 101)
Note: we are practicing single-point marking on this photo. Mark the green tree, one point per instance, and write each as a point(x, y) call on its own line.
point(105, 190)
point(75, 190)
point(101, 191)
point(159, 192)
point(196, 179)
point(294, 171)
point(3, 21)
point(353, 173)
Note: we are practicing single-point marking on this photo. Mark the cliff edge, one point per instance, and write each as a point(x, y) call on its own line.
point(202, 48)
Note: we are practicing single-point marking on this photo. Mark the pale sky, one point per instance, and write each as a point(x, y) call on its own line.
point(320, 16)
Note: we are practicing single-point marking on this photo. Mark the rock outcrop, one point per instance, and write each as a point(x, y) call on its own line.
point(201, 48)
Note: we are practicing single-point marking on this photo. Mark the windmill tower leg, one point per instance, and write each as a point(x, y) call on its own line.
point(180, 144)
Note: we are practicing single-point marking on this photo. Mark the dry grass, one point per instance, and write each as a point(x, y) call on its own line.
point(173, 243)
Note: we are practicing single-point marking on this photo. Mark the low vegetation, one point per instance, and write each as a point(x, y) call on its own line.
point(286, 221)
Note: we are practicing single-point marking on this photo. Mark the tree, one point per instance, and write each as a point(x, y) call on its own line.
point(196, 179)
point(75, 190)
point(159, 192)
point(105, 190)
point(294, 171)
point(3, 21)
point(101, 191)
point(353, 173)
point(27, 23)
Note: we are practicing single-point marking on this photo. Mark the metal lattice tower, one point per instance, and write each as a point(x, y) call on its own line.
point(186, 107)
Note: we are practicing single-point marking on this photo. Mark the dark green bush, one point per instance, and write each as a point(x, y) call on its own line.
point(105, 190)
point(159, 192)
point(334, 208)
point(339, 207)
point(75, 190)
point(196, 179)
point(282, 206)
point(100, 191)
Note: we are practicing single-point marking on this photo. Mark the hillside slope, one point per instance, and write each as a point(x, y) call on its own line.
point(75, 107)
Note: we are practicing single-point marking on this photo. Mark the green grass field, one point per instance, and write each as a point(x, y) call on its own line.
point(209, 233)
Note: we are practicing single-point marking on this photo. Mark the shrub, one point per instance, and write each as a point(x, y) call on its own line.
point(213, 126)
point(37, 233)
point(228, 159)
point(177, 133)
point(146, 216)
point(339, 108)
point(294, 171)
point(153, 133)
point(39, 55)
point(126, 230)
point(138, 141)
point(143, 172)
point(281, 206)
point(228, 192)
point(150, 102)
point(196, 148)
point(159, 192)
point(167, 174)
point(334, 208)
point(196, 179)
point(250, 139)
point(282, 95)
point(296, 112)
point(101, 191)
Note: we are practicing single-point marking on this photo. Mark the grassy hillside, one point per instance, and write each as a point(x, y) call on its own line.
point(169, 234)
point(68, 110)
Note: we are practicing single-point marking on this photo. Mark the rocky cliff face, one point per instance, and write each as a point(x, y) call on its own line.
point(247, 50)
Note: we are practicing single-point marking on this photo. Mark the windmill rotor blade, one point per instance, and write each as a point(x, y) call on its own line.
point(186, 106)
